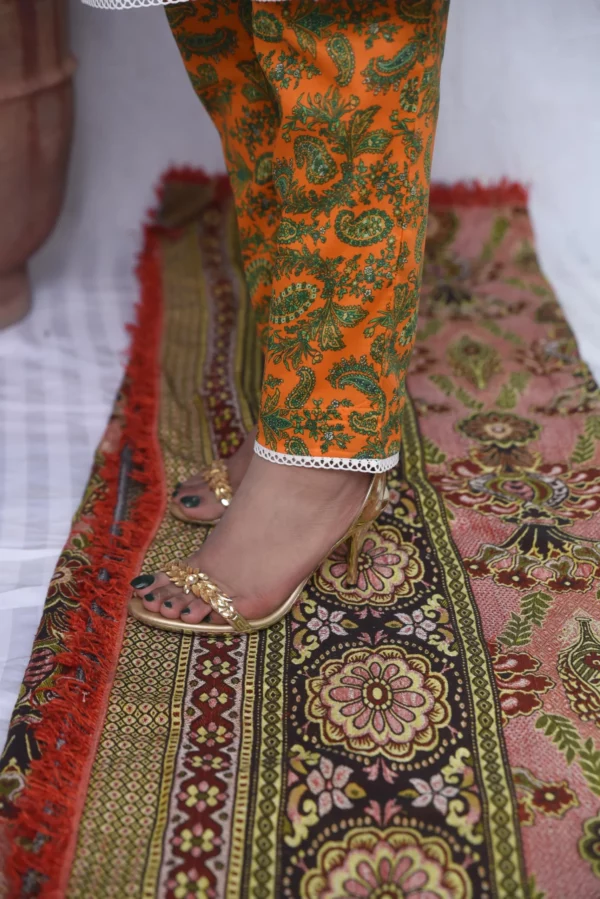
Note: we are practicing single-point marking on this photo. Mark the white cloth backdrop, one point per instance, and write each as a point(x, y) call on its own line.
point(520, 98)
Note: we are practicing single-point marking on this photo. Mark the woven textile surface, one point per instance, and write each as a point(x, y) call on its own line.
point(431, 732)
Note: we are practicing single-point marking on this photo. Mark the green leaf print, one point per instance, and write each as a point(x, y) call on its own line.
point(517, 632)
point(563, 734)
point(432, 453)
point(589, 761)
point(534, 607)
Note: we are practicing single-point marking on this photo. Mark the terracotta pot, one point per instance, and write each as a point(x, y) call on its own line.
point(36, 118)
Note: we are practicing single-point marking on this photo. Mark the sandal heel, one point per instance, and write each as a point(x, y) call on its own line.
point(356, 538)
point(358, 533)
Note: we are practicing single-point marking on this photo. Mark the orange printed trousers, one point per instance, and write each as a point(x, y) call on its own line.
point(327, 113)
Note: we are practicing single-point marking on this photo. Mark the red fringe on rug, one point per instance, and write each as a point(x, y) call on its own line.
point(52, 799)
point(473, 193)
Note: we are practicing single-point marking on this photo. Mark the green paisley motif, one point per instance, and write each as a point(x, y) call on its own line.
point(292, 302)
point(178, 14)
point(283, 178)
point(263, 168)
point(383, 74)
point(342, 55)
point(301, 393)
point(206, 76)
point(364, 422)
point(287, 231)
point(267, 27)
point(259, 273)
point(220, 43)
point(358, 373)
point(367, 228)
point(295, 446)
point(312, 153)
point(416, 11)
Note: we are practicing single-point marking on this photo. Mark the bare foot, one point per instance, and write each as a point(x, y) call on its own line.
point(197, 501)
point(283, 520)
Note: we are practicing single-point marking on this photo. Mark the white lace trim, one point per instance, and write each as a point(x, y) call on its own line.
point(374, 466)
point(132, 4)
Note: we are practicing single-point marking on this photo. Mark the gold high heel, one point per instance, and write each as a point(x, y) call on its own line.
point(192, 580)
point(216, 477)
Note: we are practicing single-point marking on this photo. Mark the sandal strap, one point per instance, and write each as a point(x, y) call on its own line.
point(217, 478)
point(192, 580)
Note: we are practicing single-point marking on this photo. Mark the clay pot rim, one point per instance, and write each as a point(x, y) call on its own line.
point(44, 82)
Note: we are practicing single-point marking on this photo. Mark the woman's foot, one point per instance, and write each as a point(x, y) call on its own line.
point(283, 520)
point(196, 501)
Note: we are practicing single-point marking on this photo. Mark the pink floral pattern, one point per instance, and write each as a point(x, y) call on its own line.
point(379, 701)
point(397, 863)
point(387, 570)
point(327, 783)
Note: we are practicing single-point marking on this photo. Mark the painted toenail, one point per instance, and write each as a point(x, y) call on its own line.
point(168, 604)
point(144, 580)
point(190, 502)
point(149, 597)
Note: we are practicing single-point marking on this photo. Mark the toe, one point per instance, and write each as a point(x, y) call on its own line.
point(146, 584)
point(194, 611)
point(171, 606)
point(198, 503)
point(172, 603)
point(151, 602)
point(191, 485)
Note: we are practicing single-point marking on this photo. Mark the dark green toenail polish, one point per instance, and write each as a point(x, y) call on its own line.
point(168, 604)
point(185, 611)
point(144, 580)
point(190, 502)
point(149, 597)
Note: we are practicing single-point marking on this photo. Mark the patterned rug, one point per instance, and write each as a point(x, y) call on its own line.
point(431, 733)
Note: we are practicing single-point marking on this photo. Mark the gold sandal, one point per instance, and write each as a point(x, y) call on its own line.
point(194, 581)
point(216, 477)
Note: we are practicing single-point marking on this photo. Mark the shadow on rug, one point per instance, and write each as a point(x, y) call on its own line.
point(431, 732)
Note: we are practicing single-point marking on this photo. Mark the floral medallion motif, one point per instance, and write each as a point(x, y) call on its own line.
point(382, 701)
point(501, 436)
point(388, 567)
point(396, 863)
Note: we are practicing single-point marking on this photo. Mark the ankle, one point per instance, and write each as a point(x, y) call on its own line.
point(315, 485)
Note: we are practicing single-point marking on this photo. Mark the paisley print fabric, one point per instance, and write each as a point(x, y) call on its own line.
point(327, 116)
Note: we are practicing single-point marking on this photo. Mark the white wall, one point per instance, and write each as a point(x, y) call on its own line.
point(521, 98)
